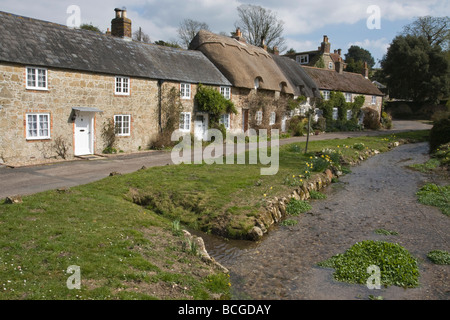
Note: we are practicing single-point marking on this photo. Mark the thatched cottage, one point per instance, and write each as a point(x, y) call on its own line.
point(253, 72)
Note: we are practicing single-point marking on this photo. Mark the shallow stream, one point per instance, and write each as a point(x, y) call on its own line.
point(378, 194)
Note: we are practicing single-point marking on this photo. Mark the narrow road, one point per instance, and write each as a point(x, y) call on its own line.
point(33, 179)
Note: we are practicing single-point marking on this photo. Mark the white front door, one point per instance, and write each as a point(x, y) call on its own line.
point(200, 126)
point(84, 127)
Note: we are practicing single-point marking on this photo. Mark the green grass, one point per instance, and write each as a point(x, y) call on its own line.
point(397, 266)
point(437, 196)
point(124, 231)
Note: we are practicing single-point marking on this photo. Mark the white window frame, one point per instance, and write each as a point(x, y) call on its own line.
point(326, 95)
point(122, 86)
point(185, 121)
point(259, 117)
point(185, 90)
point(349, 114)
point(225, 119)
point(226, 92)
point(273, 118)
point(374, 100)
point(39, 126)
point(335, 113)
point(34, 72)
point(348, 97)
point(119, 122)
point(303, 59)
point(257, 83)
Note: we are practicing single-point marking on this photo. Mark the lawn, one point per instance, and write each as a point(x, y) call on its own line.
point(119, 230)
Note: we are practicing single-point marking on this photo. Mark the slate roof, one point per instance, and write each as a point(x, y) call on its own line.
point(34, 42)
point(300, 80)
point(345, 82)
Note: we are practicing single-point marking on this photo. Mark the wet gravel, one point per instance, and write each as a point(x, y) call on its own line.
point(378, 194)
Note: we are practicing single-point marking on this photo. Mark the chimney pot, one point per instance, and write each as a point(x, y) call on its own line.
point(121, 25)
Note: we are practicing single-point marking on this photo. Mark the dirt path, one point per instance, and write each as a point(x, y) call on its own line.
point(380, 193)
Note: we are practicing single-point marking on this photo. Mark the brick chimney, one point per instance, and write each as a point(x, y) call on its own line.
point(325, 46)
point(365, 72)
point(121, 25)
point(339, 65)
point(238, 35)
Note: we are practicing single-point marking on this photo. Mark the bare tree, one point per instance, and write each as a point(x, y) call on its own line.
point(259, 24)
point(435, 29)
point(188, 30)
point(140, 35)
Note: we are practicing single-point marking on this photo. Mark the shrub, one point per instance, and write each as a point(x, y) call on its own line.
point(386, 120)
point(371, 119)
point(396, 264)
point(440, 134)
point(295, 207)
point(298, 126)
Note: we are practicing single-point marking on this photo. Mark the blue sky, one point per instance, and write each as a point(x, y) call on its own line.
point(305, 21)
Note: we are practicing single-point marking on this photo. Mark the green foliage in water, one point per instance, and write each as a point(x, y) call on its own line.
point(396, 264)
point(437, 196)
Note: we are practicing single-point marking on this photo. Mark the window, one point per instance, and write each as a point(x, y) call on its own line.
point(185, 89)
point(36, 78)
point(122, 86)
point(303, 59)
point(349, 114)
point(225, 120)
point(226, 92)
point(273, 118)
point(374, 99)
point(335, 113)
point(348, 97)
point(38, 126)
point(185, 121)
point(122, 124)
point(259, 116)
point(330, 65)
point(257, 84)
point(326, 95)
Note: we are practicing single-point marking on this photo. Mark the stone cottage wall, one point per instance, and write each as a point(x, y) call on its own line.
point(68, 89)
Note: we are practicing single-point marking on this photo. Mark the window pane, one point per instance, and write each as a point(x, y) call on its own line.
point(32, 125)
point(42, 78)
point(31, 77)
point(43, 125)
point(125, 85)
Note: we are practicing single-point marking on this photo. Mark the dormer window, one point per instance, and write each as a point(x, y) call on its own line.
point(257, 83)
point(303, 59)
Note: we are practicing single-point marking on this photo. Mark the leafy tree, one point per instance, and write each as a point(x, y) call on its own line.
point(188, 30)
point(258, 23)
point(355, 58)
point(414, 69)
point(435, 29)
point(141, 36)
point(167, 44)
point(90, 27)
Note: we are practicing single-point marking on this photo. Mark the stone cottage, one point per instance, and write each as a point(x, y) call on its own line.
point(350, 84)
point(60, 87)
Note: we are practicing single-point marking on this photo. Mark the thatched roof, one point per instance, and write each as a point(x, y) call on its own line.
point(344, 82)
point(301, 82)
point(39, 43)
point(241, 63)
